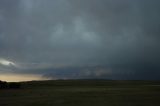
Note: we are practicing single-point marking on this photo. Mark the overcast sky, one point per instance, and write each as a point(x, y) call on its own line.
point(66, 39)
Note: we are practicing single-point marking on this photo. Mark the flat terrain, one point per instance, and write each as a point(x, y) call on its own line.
point(83, 93)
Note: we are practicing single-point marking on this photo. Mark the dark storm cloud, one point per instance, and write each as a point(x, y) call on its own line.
point(116, 39)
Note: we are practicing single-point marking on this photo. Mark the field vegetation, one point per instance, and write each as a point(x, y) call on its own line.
point(83, 93)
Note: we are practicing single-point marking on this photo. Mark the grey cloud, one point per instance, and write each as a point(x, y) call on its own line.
point(109, 34)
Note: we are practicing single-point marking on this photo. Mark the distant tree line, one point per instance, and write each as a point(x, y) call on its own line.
point(9, 85)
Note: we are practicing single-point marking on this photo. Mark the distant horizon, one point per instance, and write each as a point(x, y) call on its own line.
point(28, 78)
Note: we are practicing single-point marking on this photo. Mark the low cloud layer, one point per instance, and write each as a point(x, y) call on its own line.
point(109, 39)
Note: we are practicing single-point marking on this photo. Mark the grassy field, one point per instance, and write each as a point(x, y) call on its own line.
point(83, 93)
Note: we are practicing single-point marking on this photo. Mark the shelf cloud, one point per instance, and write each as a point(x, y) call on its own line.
point(69, 39)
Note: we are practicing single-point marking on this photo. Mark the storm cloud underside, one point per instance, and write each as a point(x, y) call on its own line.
point(109, 39)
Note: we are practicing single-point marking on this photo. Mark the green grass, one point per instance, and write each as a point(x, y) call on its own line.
point(83, 93)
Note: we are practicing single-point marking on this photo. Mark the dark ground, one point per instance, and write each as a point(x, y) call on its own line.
point(83, 93)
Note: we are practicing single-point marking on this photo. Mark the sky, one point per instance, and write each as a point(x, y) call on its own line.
point(79, 39)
